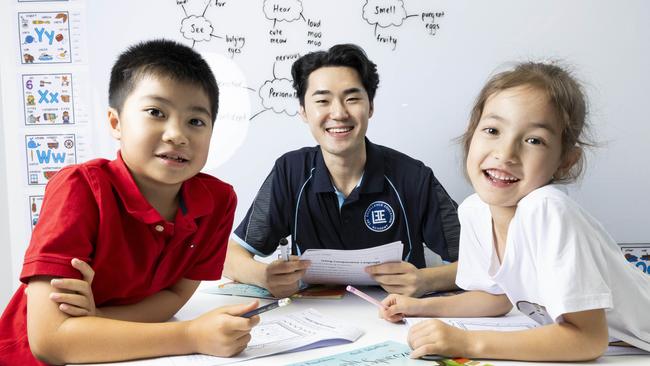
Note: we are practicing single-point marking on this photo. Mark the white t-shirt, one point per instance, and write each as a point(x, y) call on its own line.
point(558, 259)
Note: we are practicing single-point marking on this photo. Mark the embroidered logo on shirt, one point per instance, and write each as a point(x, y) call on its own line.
point(379, 216)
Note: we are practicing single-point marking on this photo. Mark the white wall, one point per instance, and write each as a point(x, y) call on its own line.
point(428, 83)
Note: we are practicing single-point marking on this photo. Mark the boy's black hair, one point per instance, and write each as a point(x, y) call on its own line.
point(349, 55)
point(162, 58)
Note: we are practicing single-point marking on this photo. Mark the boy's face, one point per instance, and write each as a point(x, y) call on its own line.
point(164, 131)
point(516, 147)
point(337, 110)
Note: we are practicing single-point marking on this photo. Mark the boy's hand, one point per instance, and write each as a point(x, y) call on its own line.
point(221, 332)
point(282, 278)
point(76, 296)
point(434, 337)
point(397, 307)
point(398, 278)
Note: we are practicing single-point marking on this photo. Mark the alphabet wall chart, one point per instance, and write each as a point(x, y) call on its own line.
point(51, 54)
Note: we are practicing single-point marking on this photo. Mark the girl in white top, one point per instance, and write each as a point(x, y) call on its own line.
point(524, 242)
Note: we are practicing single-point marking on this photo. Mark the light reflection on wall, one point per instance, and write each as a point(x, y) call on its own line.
point(231, 126)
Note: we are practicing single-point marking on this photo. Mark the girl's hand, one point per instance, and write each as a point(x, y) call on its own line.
point(222, 332)
point(434, 337)
point(76, 296)
point(397, 307)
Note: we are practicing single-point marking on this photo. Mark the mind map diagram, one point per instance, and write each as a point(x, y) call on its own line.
point(277, 93)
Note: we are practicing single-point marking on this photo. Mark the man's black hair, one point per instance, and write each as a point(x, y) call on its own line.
point(162, 58)
point(348, 55)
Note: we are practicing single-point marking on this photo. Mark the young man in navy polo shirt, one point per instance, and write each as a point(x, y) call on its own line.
point(346, 193)
point(121, 245)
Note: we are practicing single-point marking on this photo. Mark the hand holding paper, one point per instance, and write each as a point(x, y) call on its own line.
point(331, 266)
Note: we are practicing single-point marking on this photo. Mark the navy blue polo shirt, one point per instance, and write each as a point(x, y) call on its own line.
point(398, 199)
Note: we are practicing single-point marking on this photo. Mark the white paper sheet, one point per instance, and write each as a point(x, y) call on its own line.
point(513, 323)
point(289, 333)
point(346, 267)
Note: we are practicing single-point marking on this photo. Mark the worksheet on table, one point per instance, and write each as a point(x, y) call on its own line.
point(293, 332)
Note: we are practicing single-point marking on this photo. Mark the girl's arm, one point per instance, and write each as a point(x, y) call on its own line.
point(57, 338)
point(582, 336)
point(467, 304)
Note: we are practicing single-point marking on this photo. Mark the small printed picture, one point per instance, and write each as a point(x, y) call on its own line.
point(638, 255)
point(44, 37)
point(48, 99)
point(35, 203)
point(47, 154)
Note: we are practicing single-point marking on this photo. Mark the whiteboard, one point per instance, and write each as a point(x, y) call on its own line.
point(432, 57)
point(438, 55)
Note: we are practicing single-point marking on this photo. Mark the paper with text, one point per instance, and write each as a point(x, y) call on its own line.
point(289, 333)
point(346, 267)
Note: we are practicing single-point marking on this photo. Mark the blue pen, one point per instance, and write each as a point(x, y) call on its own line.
point(263, 309)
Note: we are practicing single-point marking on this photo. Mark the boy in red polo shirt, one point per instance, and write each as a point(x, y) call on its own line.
point(133, 236)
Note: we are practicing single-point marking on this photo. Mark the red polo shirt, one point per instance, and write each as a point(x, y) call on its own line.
point(95, 212)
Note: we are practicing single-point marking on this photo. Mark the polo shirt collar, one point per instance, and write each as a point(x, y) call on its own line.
point(373, 176)
point(195, 196)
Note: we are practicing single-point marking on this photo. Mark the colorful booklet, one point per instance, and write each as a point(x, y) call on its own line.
point(245, 290)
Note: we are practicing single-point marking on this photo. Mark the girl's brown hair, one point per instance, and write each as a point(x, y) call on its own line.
point(565, 95)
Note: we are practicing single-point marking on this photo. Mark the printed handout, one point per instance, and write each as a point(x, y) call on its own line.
point(293, 332)
point(334, 266)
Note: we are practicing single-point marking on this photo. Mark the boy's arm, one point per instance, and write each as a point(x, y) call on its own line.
point(582, 336)
point(76, 298)
point(405, 279)
point(281, 278)
point(158, 307)
point(56, 338)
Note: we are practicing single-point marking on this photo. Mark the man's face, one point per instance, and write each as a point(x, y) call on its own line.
point(337, 110)
point(164, 130)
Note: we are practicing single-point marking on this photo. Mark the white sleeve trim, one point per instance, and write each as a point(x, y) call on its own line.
point(246, 246)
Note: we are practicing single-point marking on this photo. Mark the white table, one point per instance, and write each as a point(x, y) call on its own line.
point(354, 311)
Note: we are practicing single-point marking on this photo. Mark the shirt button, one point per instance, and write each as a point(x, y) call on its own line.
point(192, 245)
point(160, 228)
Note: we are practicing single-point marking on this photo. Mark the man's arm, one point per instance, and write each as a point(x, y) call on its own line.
point(55, 337)
point(405, 279)
point(241, 266)
point(281, 278)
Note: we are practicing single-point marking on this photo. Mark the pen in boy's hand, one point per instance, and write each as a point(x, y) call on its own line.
point(284, 249)
point(262, 309)
point(366, 297)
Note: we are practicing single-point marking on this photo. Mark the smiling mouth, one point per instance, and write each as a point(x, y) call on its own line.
point(175, 158)
point(500, 177)
point(337, 130)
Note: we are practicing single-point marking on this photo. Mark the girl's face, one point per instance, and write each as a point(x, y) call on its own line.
point(516, 147)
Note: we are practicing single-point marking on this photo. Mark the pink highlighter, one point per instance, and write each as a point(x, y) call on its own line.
point(366, 297)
